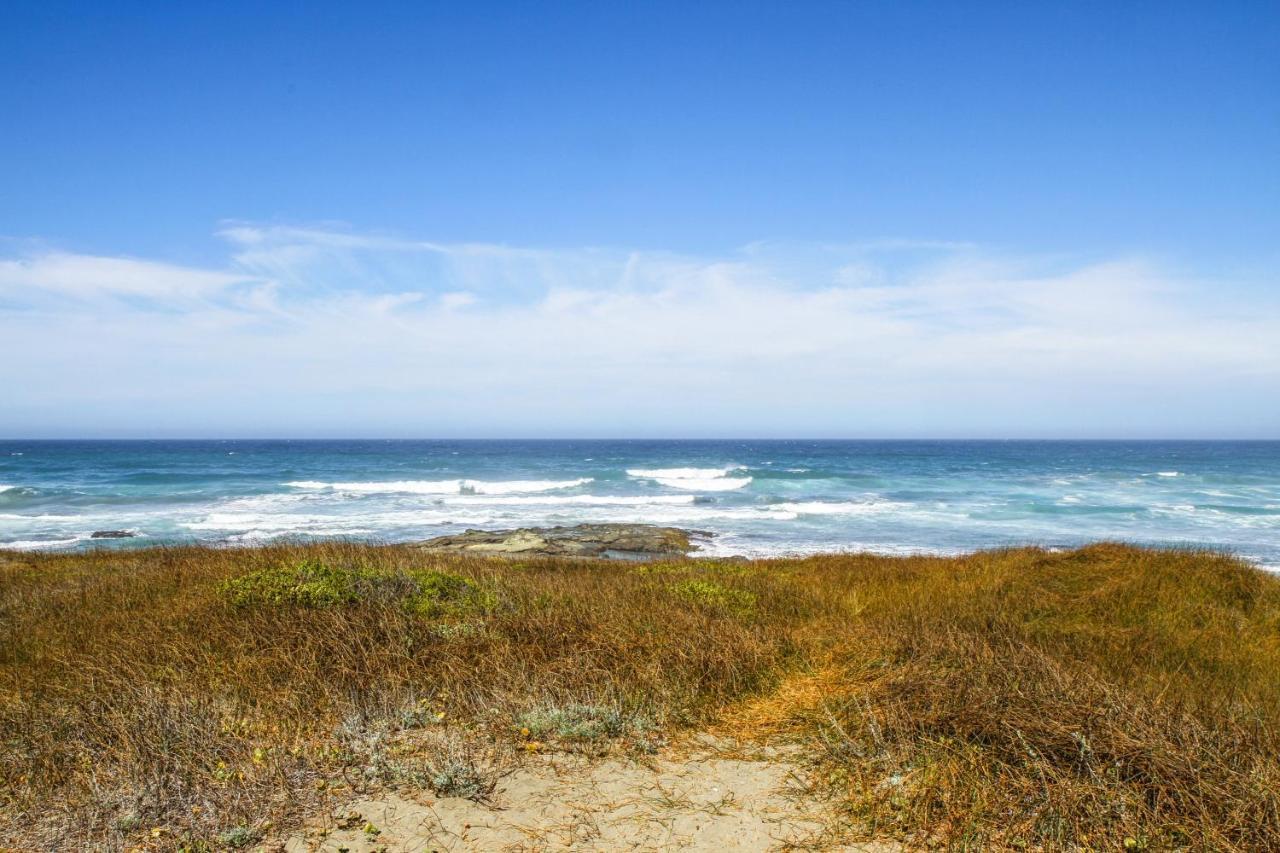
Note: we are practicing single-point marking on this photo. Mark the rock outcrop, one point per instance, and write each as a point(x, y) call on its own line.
point(618, 541)
point(112, 534)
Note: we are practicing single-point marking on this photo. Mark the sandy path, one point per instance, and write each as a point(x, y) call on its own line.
point(700, 799)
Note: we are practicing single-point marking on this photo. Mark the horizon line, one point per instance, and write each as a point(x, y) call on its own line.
point(640, 438)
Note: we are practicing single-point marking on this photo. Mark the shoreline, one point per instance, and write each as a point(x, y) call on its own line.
point(142, 543)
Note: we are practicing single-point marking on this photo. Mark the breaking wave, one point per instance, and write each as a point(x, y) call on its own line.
point(41, 544)
point(443, 487)
point(693, 479)
point(868, 507)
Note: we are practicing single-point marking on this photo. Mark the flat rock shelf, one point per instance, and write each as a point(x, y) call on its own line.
point(617, 541)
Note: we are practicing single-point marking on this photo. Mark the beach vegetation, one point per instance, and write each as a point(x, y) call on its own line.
point(238, 836)
point(717, 597)
point(310, 582)
point(1107, 697)
point(578, 722)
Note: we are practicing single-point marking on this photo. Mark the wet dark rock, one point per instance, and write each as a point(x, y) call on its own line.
point(618, 541)
point(112, 534)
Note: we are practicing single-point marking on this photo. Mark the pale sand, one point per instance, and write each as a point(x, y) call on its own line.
point(704, 798)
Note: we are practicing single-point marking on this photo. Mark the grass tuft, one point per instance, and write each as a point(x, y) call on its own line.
point(238, 836)
point(576, 722)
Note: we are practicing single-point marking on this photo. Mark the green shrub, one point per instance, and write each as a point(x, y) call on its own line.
point(713, 596)
point(308, 583)
point(311, 583)
point(443, 594)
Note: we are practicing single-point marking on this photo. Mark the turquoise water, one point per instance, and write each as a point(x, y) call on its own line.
point(756, 497)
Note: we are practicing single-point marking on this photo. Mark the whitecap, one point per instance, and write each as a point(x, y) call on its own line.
point(349, 524)
point(1174, 509)
point(680, 473)
point(729, 545)
point(569, 500)
point(442, 487)
point(5, 488)
point(698, 513)
point(265, 535)
point(707, 484)
point(40, 544)
point(870, 507)
point(1167, 474)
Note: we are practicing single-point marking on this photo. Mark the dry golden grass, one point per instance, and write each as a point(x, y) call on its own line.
point(1104, 698)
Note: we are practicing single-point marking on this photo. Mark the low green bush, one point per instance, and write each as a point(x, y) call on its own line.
point(311, 583)
point(443, 594)
point(714, 596)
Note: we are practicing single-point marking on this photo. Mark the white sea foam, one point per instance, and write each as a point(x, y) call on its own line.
point(869, 507)
point(693, 479)
point(568, 500)
point(1167, 473)
point(680, 473)
point(278, 501)
point(1175, 509)
point(265, 535)
point(479, 511)
point(350, 524)
point(5, 488)
point(443, 487)
point(707, 484)
point(324, 503)
point(730, 545)
point(40, 544)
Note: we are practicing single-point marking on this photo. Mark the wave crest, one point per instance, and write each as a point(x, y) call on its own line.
point(693, 479)
point(442, 487)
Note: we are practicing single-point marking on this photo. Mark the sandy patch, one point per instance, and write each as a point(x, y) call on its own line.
point(701, 799)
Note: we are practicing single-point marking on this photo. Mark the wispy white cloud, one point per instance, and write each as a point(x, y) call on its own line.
point(88, 277)
point(307, 330)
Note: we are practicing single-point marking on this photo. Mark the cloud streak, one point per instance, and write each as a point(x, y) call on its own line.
point(326, 331)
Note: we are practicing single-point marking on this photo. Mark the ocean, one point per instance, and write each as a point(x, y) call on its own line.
point(758, 498)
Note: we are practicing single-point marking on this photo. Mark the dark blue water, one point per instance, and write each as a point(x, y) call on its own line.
point(758, 497)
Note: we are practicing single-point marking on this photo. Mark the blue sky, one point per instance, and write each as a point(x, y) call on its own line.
point(518, 219)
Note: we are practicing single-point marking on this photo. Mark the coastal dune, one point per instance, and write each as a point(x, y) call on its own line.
point(360, 696)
